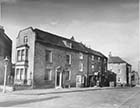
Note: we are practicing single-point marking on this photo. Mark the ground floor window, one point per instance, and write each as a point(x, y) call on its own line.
point(48, 73)
point(68, 76)
point(20, 74)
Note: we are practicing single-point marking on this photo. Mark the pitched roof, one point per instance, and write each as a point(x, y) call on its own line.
point(116, 59)
point(46, 37)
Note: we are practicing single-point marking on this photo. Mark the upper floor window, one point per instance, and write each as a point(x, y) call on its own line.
point(67, 44)
point(48, 73)
point(81, 56)
point(68, 59)
point(25, 39)
point(48, 56)
point(105, 69)
point(81, 66)
point(119, 71)
point(99, 68)
point(119, 79)
point(92, 67)
point(92, 57)
point(68, 76)
point(105, 60)
point(22, 54)
point(99, 59)
point(18, 55)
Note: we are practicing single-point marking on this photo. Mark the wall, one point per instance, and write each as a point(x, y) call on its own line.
point(115, 68)
point(59, 59)
point(31, 43)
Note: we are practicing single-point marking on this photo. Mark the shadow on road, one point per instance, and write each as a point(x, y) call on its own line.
point(13, 103)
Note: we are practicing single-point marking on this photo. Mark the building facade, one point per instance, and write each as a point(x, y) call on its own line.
point(121, 68)
point(5, 50)
point(51, 61)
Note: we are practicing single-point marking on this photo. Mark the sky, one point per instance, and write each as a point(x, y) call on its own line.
point(103, 25)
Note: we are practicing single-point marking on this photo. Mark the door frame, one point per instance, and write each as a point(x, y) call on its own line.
point(60, 77)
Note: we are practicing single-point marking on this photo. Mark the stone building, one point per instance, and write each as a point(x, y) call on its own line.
point(121, 68)
point(5, 50)
point(47, 60)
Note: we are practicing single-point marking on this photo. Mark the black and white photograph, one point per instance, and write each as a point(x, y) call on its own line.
point(69, 54)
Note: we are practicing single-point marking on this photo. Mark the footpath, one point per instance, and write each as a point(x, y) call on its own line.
point(54, 91)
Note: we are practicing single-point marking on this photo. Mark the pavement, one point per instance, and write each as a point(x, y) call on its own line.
point(94, 97)
point(54, 91)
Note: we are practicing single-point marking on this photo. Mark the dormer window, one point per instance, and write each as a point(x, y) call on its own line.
point(25, 39)
point(67, 44)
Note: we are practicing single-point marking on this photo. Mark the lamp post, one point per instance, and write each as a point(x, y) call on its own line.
point(5, 73)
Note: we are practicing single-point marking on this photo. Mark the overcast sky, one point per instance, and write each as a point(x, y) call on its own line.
point(104, 25)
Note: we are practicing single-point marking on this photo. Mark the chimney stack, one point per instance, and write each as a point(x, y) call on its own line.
point(110, 55)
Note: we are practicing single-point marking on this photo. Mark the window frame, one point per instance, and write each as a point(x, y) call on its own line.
point(69, 77)
point(50, 56)
point(69, 60)
point(81, 56)
point(48, 76)
point(25, 39)
point(92, 57)
point(81, 66)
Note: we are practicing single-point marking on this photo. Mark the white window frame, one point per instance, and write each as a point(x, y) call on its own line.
point(81, 66)
point(69, 58)
point(92, 67)
point(50, 75)
point(69, 75)
point(81, 56)
point(25, 39)
point(50, 55)
point(92, 57)
point(99, 59)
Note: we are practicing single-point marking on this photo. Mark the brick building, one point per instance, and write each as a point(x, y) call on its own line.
point(121, 68)
point(5, 50)
point(48, 60)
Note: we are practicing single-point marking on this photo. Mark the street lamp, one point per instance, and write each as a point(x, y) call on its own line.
point(5, 73)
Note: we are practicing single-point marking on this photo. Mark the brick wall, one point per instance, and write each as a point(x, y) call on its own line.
point(58, 59)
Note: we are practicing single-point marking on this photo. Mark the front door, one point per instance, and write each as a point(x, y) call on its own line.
point(59, 79)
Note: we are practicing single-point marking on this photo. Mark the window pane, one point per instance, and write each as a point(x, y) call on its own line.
point(18, 55)
point(25, 39)
point(21, 74)
point(81, 55)
point(68, 59)
point(67, 75)
point(47, 74)
point(48, 56)
point(17, 74)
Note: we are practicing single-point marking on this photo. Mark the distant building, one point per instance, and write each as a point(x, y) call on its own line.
point(5, 50)
point(121, 68)
point(47, 60)
point(134, 78)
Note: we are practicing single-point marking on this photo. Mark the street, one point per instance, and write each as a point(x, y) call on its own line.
point(104, 98)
